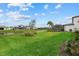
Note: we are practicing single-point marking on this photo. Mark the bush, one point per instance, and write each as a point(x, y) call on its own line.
point(72, 46)
point(34, 31)
point(30, 33)
point(50, 30)
point(76, 34)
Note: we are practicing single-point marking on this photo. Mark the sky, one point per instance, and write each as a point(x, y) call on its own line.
point(13, 14)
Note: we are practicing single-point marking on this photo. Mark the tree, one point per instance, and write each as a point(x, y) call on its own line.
point(32, 24)
point(50, 23)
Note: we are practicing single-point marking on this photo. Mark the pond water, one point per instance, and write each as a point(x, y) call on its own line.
point(6, 33)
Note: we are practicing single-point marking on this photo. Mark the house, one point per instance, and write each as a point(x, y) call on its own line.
point(74, 26)
point(5, 28)
point(58, 27)
point(21, 27)
point(14, 28)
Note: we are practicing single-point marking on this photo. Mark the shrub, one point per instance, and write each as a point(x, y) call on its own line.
point(30, 33)
point(34, 32)
point(72, 48)
point(76, 34)
point(50, 30)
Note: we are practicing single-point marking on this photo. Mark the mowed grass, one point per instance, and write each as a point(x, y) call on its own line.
point(42, 44)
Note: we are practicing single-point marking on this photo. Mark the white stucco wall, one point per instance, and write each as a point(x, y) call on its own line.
point(68, 27)
point(73, 27)
point(76, 23)
point(7, 28)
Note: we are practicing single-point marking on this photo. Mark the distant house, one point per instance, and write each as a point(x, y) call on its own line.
point(58, 27)
point(5, 28)
point(74, 26)
point(21, 27)
point(14, 28)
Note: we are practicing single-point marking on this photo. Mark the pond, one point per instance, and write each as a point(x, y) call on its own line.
point(6, 33)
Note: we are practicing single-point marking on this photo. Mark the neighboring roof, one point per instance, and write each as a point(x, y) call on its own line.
point(75, 16)
point(68, 24)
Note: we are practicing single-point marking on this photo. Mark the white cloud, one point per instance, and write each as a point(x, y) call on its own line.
point(25, 9)
point(68, 17)
point(29, 5)
point(54, 12)
point(21, 17)
point(14, 4)
point(1, 10)
point(22, 6)
point(1, 15)
point(24, 16)
point(11, 14)
point(58, 6)
point(43, 14)
point(46, 6)
point(26, 6)
point(17, 16)
point(36, 14)
point(39, 14)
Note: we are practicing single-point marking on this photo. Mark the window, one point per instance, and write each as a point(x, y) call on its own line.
point(70, 30)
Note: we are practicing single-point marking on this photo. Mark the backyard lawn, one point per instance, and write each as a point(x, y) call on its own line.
point(42, 44)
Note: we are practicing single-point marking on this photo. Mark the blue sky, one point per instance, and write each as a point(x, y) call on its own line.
point(12, 14)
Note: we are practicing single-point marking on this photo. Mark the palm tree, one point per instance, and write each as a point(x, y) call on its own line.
point(50, 23)
point(32, 24)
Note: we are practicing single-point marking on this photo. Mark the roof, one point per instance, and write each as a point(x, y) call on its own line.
point(68, 24)
point(75, 16)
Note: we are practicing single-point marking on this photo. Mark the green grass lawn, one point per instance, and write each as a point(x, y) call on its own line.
point(42, 44)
